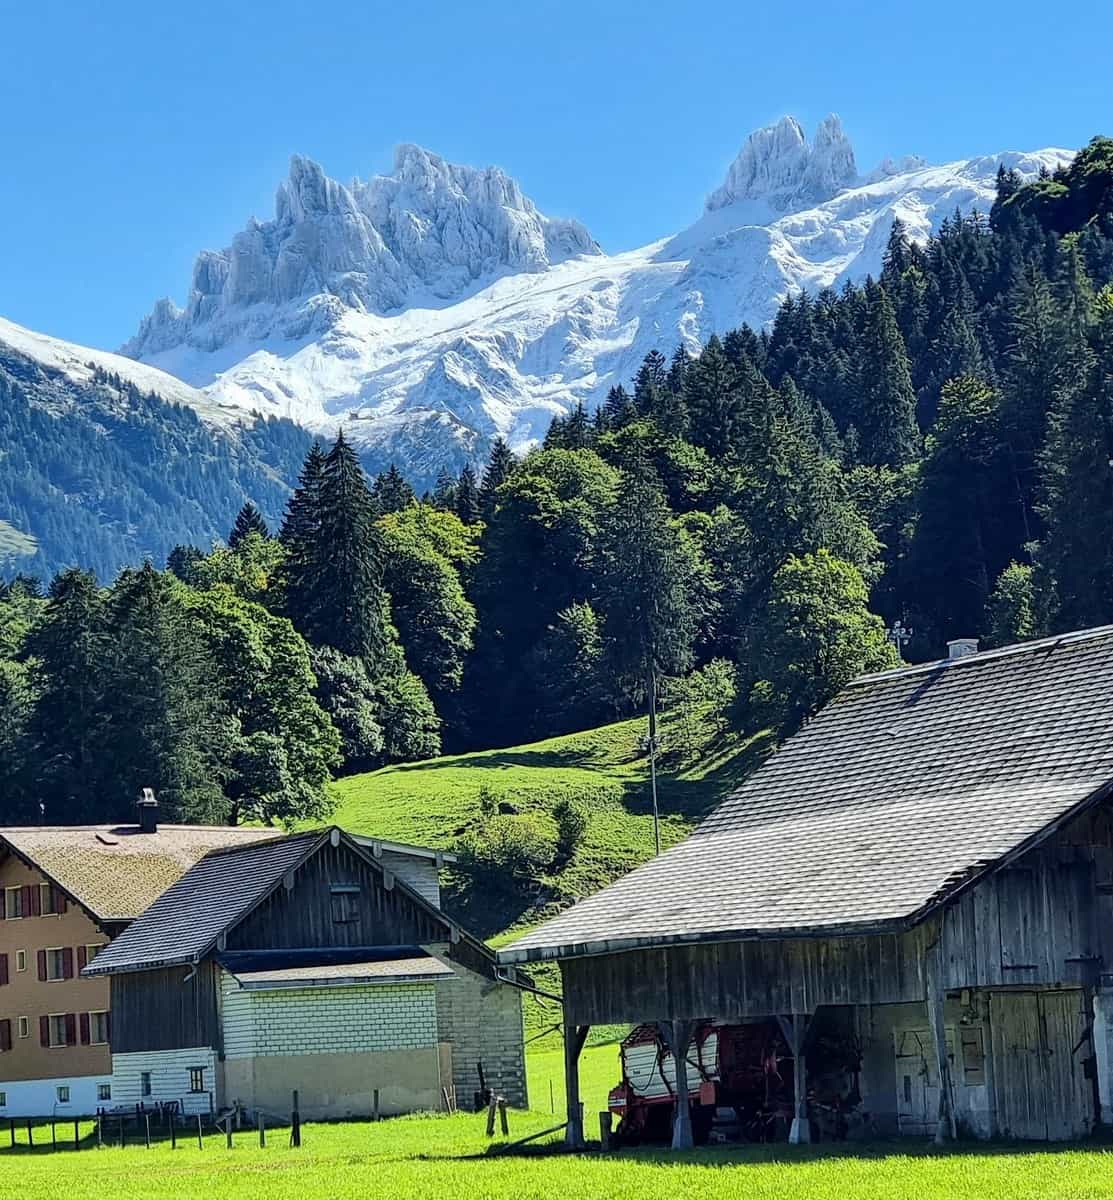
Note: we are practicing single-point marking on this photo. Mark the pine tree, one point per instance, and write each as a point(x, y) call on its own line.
point(500, 464)
point(248, 520)
point(618, 409)
point(301, 535)
point(578, 432)
point(392, 491)
point(444, 491)
point(348, 610)
point(68, 649)
point(886, 403)
point(714, 398)
point(467, 496)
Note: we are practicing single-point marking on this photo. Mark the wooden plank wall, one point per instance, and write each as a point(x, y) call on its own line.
point(1046, 920)
point(743, 980)
point(163, 1010)
point(302, 917)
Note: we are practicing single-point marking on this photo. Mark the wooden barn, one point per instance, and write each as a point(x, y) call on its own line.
point(916, 891)
point(306, 962)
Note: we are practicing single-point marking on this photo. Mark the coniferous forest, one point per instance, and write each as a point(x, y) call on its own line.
point(933, 447)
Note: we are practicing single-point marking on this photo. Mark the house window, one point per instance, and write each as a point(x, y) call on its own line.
point(145, 1083)
point(344, 898)
point(56, 964)
point(13, 903)
point(63, 1094)
point(57, 1030)
point(21, 960)
point(104, 1091)
point(973, 1055)
point(196, 1079)
point(24, 1027)
point(3, 1099)
point(49, 901)
point(98, 1028)
point(92, 951)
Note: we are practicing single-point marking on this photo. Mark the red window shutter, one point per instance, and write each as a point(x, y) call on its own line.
point(82, 959)
point(42, 966)
point(71, 1029)
point(5, 1034)
point(44, 1031)
point(3, 969)
point(83, 1022)
point(59, 901)
point(67, 963)
point(36, 900)
point(108, 1026)
point(29, 891)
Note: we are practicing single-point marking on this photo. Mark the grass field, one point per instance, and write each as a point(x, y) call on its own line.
point(434, 1158)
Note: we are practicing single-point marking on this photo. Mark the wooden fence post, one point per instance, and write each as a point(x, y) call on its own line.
point(262, 1131)
point(76, 1135)
point(30, 1135)
point(378, 1113)
point(503, 1120)
point(491, 1109)
point(11, 1128)
point(606, 1121)
point(295, 1124)
point(53, 1134)
point(200, 1139)
point(147, 1129)
point(173, 1130)
point(100, 1130)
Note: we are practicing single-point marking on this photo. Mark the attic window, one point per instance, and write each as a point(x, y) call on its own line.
point(344, 899)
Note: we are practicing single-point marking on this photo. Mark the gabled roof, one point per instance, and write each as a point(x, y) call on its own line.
point(907, 786)
point(116, 871)
point(186, 922)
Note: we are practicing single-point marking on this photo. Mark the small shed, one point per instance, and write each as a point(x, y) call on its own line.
point(305, 962)
point(923, 873)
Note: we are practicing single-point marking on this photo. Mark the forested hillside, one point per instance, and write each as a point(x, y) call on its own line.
point(737, 531)
point(100, 475)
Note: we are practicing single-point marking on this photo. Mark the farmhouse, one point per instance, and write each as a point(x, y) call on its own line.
point(64, 893)
point(306, 962)
point(915, 892)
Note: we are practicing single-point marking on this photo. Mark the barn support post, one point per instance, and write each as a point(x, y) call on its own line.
point(946, 1130)
point(574, 1038)
point(678, 1038)
point(795, 1031)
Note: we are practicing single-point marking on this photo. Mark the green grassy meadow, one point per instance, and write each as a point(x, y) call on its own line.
point(433, 1157)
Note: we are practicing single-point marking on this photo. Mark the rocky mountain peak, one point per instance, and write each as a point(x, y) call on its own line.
point(778, 164)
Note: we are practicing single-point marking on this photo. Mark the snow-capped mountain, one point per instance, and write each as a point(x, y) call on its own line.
point(433, 308)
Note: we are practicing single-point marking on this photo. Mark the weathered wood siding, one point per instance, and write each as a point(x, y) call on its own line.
point(1045, 920)
point(743, 980)
point(163, 1010)
point(301, 916)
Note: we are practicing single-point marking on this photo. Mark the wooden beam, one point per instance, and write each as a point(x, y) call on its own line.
point(946, 1129)
point(574, 1038)
point(795, 1031)
point(678, 1038)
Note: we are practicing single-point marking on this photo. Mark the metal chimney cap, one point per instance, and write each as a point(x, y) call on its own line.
point(962, 647)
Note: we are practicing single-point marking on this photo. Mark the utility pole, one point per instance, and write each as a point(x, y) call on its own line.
point(653, 755)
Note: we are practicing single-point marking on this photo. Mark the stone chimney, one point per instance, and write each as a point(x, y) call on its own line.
point(148, 811)
point(962, 647)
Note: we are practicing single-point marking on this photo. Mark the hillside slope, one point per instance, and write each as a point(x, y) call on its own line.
point(604, 772)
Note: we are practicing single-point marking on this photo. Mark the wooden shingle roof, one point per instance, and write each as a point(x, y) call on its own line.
point(907, 786)
point(116, 871)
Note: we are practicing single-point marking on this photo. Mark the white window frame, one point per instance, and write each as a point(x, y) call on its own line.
point(92, 950)
point(60, 951)
point(146, 1084)
point(8, 907)
point(50, 1019)
point(3, 1099)
point(94, 1041)
point(46, 897)
point(24, 1027)
point(200, 1073)
point(104, 1091)
point(62, 1087)
point(21, 960)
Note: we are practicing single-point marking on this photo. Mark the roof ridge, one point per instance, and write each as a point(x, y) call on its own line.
point(982, 656)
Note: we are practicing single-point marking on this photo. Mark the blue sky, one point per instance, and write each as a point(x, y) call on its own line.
point(134, 134)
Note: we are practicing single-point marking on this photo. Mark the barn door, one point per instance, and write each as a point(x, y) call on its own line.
point(918, 1079)
point(1039, 1043)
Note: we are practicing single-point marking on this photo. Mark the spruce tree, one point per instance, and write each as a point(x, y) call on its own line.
point(392, 491)
point(248, 520)
point(467, 496)
point(444, 491)
point(886, 403)
point(578, 432)
point(301, 537)
point(500, 464)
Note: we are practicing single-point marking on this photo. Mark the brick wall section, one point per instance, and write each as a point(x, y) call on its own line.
point(327, 1020)
point(483, 1022)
